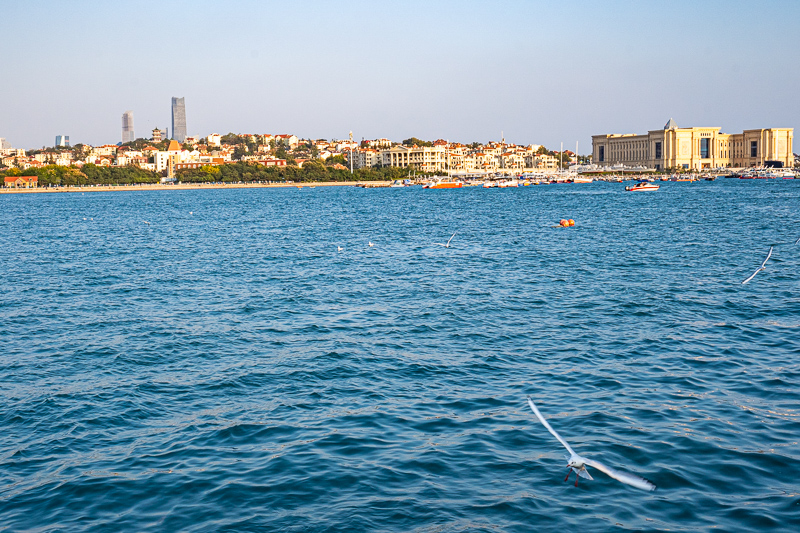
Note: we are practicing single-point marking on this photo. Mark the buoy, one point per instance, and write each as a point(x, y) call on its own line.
point(563, 222)
point(571, 222)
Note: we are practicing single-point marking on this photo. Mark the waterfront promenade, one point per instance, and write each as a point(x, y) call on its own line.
point(185, 186)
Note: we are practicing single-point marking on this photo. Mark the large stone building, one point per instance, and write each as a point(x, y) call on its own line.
point(425, 158)
point(695, 148)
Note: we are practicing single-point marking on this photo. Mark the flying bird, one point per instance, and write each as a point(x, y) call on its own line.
point(339, 248)
point(762, 267)
point(448, 241)
point(578, 464)
point(371, 244)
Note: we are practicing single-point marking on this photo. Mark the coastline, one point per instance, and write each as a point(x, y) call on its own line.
point(187, 186)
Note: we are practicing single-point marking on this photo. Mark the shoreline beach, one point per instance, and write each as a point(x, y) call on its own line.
point(188, 186)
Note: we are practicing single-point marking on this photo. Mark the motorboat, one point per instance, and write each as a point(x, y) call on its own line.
point(443, 185)
point(642, 186)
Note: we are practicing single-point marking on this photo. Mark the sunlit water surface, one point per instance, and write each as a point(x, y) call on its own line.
point(225, 368)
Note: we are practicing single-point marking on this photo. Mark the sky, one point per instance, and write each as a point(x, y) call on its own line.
point(533, 72)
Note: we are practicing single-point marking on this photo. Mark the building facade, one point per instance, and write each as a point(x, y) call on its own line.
point(425, 158)
point(127, 127)
point(178, 119)
point(695, 148)
point(62, 140)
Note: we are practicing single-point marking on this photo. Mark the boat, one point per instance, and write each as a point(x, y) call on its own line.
point(443, 185)
point(642, 186)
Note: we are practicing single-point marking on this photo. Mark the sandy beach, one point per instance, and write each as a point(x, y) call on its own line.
point(188, 186)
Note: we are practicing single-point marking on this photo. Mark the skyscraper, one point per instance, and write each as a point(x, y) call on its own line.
point(127, 127)
point(178, 119)
point(62, 140)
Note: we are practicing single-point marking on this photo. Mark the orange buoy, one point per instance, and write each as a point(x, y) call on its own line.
point(571, 222)
point(563, 222)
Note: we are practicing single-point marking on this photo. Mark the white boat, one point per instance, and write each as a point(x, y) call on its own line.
point(642, 186)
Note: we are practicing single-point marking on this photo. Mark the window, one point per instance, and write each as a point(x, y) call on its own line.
point(602, 153)
point(658, 150)
point(704, 148)
point(753, 148)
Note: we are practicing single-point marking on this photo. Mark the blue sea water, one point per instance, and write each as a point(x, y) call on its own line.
point(225, 368)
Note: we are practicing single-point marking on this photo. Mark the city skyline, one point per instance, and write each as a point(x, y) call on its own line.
point(466, 71)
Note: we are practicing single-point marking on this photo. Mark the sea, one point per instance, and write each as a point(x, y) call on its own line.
point(210, 360)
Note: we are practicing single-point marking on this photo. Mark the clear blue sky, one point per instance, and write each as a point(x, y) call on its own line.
point(542, 72)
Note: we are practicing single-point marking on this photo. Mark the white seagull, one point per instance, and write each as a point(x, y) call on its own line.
point(146, 222)
point(578, 464)
point(339, 248)
point(448, 241)
point(759, 269)
point(371, 244)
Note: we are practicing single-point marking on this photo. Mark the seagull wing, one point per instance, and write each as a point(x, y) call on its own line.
point(451, 238)
point(798, 240)
point(763, 265)
point(438, 244)
point(753, 275)
point(549, 427)
point(625, 477)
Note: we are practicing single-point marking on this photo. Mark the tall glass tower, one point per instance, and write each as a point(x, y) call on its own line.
point(178, 119)
point(127, 127)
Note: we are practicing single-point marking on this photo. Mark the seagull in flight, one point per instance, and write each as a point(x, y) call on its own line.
point(146, 222)
point(448, 241)
point(578, 464)
point(371, 244)
point(762, 267)
point(339, 248)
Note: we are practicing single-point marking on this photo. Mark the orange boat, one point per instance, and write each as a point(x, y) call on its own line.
point(443, 185)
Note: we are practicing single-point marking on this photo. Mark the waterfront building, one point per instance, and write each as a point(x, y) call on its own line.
point(178, 119)
point(695, 148)
point(365, 158)
point(62, 140)
point(424, 158)
point(127, 127)
point(20, 182)
point(541, 162)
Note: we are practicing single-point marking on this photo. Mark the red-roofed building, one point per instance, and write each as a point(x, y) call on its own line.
point(21, 182)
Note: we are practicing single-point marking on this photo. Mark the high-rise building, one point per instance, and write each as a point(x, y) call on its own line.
point(178, 119)
point(127, 127)
point(62, 140)
point(4, 145)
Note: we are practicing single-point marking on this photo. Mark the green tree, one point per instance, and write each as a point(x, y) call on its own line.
point(418, 142)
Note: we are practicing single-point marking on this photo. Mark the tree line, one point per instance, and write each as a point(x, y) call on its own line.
point(56, 175)
point(311, 171)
